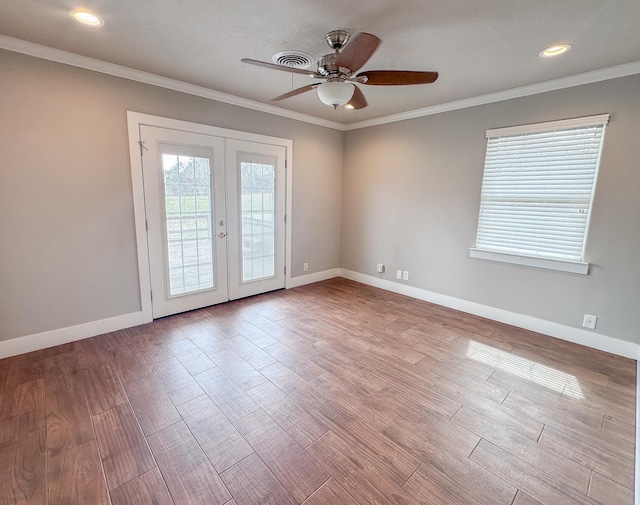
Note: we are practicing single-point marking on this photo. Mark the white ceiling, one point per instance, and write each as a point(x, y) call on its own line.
point(477, 46)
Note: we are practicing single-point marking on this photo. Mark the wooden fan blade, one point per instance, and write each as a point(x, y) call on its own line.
point(295, 92)
point(357, 52)
point(396, 77)
point(358, 100)
point(284, 68)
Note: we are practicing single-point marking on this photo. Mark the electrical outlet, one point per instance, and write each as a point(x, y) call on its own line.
point(305, 266)
point(590, 321)
point(398, 274)
point(380, 268)
point(405, 275)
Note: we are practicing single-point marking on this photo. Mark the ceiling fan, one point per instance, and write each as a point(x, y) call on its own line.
point(338, 69)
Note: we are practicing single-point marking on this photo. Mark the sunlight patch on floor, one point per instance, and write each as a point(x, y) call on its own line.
point(527, 369)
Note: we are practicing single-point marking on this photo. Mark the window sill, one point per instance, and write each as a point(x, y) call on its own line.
point(574, 267)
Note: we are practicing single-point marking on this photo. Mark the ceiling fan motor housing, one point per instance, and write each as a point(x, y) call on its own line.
point(327, 64)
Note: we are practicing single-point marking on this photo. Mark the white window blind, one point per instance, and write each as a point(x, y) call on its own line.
point(538, 187)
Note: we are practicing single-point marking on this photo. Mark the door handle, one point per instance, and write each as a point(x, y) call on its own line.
point(222, 234)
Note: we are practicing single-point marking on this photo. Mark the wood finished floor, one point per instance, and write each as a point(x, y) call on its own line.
point(332, 393)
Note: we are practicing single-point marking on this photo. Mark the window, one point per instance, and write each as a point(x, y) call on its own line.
point(537, 192)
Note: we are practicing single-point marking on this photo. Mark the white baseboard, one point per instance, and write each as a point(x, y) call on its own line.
point(561, 331)
point(46, 339)
point(51, 338)
point(314, 277)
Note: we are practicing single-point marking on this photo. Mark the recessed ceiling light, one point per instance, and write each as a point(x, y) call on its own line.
point(555, 50)
point(86, 17)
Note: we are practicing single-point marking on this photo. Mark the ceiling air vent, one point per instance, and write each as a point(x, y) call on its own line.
point(294, 59)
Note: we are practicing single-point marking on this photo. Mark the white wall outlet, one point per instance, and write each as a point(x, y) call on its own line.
point(398, 274)
point(590, 321)
point(380, 268)
point(405, 275)
point(305, 266)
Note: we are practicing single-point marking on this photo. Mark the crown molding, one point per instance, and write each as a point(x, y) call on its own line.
point(76, 60)
point(532, 89)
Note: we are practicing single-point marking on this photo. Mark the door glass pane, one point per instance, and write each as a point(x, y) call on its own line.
point(257, 189)
point(187, 187)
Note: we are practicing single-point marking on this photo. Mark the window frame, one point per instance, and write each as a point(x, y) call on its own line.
point(540, 261)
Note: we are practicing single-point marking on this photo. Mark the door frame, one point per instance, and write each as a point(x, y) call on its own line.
point(137, 119)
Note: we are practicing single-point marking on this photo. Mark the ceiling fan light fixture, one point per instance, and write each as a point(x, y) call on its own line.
point(554, 50)
point(335, 93)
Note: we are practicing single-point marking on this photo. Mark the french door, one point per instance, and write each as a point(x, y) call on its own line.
point(215, 218)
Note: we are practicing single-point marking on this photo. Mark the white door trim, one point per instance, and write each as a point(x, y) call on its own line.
point(134, 121)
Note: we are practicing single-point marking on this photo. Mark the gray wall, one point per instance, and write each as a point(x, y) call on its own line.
point(412, 194)
point(67, 241)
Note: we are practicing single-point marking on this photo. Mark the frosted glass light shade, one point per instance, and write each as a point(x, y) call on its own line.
point(335, 93)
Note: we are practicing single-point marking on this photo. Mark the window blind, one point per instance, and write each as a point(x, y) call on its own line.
point(538, 187)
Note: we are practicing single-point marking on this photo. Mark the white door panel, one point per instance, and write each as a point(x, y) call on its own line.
point(256, 208)
point(184, 183)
